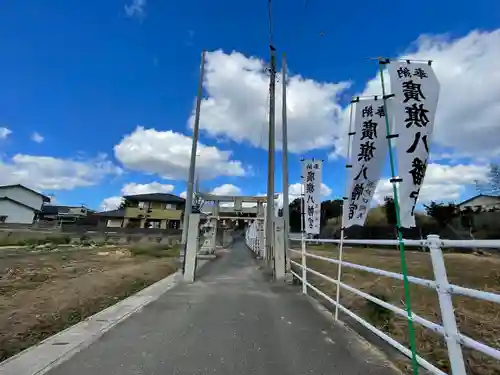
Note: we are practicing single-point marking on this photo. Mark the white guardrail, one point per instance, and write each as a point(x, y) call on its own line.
point(254, 239)
point(449, 330)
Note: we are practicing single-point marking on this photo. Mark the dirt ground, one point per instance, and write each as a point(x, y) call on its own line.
point(477, 319)
point(41, 294)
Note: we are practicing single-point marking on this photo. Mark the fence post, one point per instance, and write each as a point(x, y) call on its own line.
point(446, 305)
point(304, 272)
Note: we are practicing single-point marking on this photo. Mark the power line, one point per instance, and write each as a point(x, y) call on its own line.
point(270, 21)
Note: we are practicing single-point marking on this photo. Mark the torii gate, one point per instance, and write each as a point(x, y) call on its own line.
point(216, 211)
point(213, 206)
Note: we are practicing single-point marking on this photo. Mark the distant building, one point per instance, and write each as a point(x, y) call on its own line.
point(112, 219)
point(155, 210)
point(483, 202)
point(63, 214)
point(20, 205)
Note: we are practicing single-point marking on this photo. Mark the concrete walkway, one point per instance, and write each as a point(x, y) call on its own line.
point(232, 321)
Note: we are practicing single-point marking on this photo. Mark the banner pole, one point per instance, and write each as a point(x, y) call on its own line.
point(341, 245)
point(303, 232)
point(404, 268)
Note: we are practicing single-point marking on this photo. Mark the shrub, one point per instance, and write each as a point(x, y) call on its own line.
point(32, 242)
point(59, 240)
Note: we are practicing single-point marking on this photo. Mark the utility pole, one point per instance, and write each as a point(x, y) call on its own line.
point(284, 124)
point(196, 129)
point(270, 167)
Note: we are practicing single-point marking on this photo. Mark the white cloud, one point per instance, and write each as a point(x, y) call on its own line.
point(226, 189)
point(468, 113)
point(183, 194)
point(4, 132)
point(236, 106)
point(167, 154)
point(37, 137)
point(111, 203)
point(442, 182)
point(132, 188)
point(137, 9)
point(230, 189)
point(50, 173)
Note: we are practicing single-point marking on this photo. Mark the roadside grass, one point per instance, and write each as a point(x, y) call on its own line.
point(476, 318)
point(42, 295)
point(155, 250)
point(15, 240)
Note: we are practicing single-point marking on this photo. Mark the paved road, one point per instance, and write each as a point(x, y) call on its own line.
point(232, 321)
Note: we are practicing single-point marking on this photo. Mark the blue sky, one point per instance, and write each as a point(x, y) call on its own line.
point(84, 75)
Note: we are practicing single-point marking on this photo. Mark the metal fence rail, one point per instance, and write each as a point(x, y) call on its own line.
point(454, 339)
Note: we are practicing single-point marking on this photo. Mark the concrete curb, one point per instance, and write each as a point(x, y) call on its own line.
point(56, 349)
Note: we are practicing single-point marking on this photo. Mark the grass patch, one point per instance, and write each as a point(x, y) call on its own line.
point(59, 240)
point(36, 241)
point(40, 296)
point(155, 250)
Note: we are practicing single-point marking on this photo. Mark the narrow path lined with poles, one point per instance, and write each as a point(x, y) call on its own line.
point(232, 321)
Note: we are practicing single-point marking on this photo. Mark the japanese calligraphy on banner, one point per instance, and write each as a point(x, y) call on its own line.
point(416, 91)
point(369, 148)
point(312, 195)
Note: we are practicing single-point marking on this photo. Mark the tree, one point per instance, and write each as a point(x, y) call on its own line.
point(376, 217)
point(124, 203)
point(390, 211)
point(492, 184)
point(330, 209)
point(443, 214)
point(390, 214)
point(294, 209)
point(467, 218)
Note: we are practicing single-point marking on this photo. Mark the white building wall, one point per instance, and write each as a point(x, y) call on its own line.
point(77, 211)
point(114, 223)
point(482, 201)
point(16, 214)
point(22, 195)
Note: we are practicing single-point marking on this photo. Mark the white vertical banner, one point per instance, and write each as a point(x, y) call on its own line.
point(368, 150)
point(311, 180)
point(416, 91)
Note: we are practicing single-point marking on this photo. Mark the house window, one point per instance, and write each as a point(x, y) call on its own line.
point(173, 224)
point(144, 205)
point(155, 224)
point(169, 206)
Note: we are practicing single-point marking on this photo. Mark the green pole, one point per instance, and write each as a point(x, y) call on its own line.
point(404, 268)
